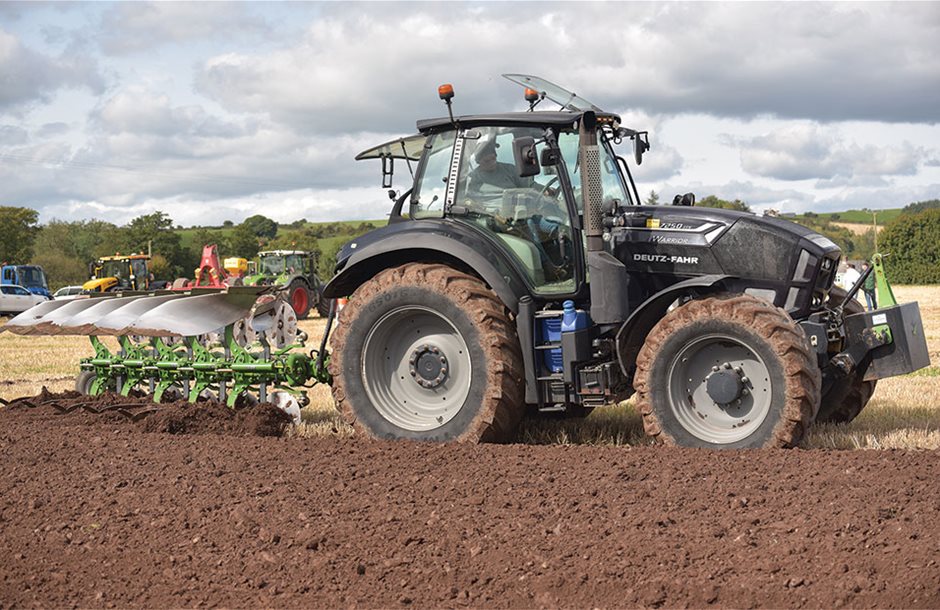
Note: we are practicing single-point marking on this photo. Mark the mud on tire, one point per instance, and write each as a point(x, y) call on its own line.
point(428, 334)
point(747, 344)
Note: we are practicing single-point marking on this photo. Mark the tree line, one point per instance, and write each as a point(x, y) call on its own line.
point(65, 248)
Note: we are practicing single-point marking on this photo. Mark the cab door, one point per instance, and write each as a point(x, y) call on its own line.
point(528, 216)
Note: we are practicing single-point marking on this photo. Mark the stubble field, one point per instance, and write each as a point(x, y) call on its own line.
point(101, 512)
point(903, 414)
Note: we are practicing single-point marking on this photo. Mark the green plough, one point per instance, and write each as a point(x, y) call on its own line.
point(239, 345)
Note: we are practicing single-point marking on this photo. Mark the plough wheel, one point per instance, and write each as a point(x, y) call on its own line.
point(426, 352)
point(83, 382)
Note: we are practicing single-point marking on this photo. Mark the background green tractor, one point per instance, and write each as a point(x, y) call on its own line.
point(296, 270)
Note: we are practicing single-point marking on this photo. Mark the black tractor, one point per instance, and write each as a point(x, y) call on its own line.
point(521, 272)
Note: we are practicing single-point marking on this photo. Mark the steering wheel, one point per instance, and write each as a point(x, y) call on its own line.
point(544, 191)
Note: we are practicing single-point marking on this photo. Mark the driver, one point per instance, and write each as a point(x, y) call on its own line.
point(492, 177)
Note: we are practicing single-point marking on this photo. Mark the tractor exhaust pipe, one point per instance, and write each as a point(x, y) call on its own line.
point(591, 189)
point(610, 283)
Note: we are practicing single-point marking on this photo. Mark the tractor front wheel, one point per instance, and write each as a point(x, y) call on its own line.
point(727, 373)
point(299, 297)
point(426, 352)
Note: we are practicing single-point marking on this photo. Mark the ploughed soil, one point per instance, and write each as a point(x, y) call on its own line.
point(184, 510)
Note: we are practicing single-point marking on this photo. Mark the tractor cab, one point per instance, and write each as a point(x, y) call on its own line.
point(516, 179)
point(31, 277)
point(110, 273)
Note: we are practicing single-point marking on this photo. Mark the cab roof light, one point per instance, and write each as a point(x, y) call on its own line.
point(533, 97)
point(446, 93)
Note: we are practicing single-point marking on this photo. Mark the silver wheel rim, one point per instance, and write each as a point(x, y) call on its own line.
point(693, 406)
point(388, 371)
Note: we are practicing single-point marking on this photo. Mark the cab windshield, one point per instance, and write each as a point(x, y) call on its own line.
point(272, 264)
point(116, 269)
point(32, 277)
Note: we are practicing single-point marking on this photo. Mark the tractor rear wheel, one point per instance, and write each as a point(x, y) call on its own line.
point(425, 352)
point(298, 296)
point(839, 404)
point(727, 372)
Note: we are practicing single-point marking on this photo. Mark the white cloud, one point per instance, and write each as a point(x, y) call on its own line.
point(803, 151)
point(134, 27)
point(30, 77)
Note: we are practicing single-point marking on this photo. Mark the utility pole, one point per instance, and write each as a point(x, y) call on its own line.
point(874, 223)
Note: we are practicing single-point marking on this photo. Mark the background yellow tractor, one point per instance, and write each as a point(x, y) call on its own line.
point(109, 273)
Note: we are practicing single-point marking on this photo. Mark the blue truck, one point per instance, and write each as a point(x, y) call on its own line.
point(30, 277)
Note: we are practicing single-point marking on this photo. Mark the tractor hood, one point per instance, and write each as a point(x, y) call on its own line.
point(689, 241)
point(99, 284)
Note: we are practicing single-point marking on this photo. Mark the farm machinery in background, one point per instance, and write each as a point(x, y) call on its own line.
point(295, 270)
point(30, 277)
point(213, 273)
point(521, 272)
point(113, 273)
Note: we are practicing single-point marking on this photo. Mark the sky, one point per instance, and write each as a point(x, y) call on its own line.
point(217, 111)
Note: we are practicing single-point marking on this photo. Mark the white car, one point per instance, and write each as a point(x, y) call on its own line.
point(14, 299)
point(67, 293)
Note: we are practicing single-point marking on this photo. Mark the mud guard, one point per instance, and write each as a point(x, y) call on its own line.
point(633, 331)
point(429, 240)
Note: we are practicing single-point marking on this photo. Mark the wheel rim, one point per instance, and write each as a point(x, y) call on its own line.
point(298, 300)
point(722, 367)
point(416, 368)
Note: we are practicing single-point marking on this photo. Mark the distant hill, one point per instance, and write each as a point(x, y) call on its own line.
point(863, 217)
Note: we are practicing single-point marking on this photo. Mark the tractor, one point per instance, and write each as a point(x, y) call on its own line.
point(520, 269)
point(119, 272)
point(30, 277)
point(520, 272)
point(296, 270)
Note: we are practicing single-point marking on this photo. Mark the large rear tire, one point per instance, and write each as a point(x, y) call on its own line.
point(298, 295)
point(426, 352)
point(840, 405)
point(727, 372)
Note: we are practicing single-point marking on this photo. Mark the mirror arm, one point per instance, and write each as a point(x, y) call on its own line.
point(626, 169)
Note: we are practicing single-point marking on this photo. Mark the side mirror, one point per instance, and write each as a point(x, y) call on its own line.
point(640, 146)
point(523, 152)
point(688, 199)
point(548, 157)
